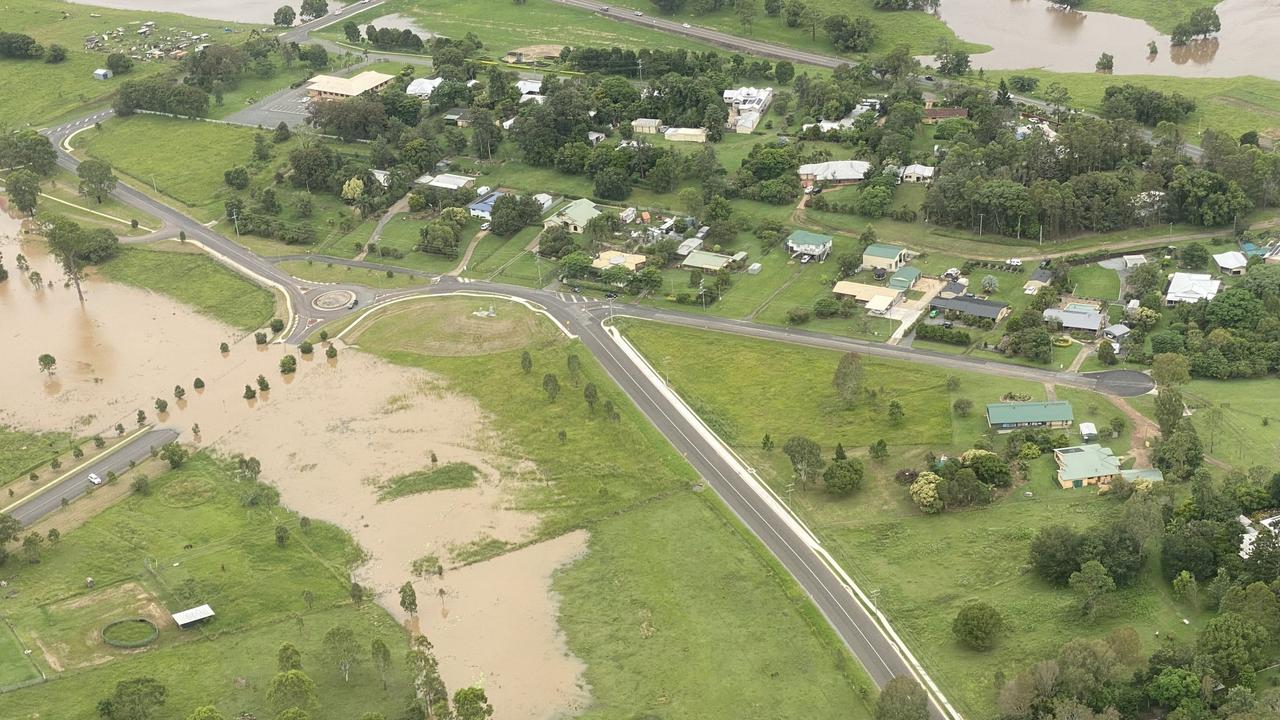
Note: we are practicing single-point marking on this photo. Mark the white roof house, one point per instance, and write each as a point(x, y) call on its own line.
point(1251, 532)
point(749, 98)
point(679, 134)
point(1191, 287)
point(529, 87)
point(448, 181)
point(423, 87)
point(917, 173)
point(834, 171)
point(1231, 263)
point(746, 122)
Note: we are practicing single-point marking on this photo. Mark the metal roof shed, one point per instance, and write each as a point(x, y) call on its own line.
point(187, 618)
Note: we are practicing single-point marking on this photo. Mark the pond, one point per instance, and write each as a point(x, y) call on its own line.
point(1036, 34)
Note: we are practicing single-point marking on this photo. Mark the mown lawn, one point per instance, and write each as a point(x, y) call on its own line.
point(921, 569)
point(197, 280)
point(193, 539)
point(33, 92)
point(1095, 281)
point(670, 581)
point(1248, 432)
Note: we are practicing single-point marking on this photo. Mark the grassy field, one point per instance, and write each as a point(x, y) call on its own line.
point(323, 273)
point(35, 92)
point(921, 569)
point(193, 538)
point(1095, 281)
point(1234, 105)
point(445, 477)
point(1162, 15)
point(185, 160)
point(1240, 437)
point(670, 581)
point(65, 187)
point(196, 280)
point(20, 450)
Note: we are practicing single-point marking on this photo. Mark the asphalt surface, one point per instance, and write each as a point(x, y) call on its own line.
point(74, 484)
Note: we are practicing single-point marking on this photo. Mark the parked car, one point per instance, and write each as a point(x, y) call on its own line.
point(879, 273)
point(94, 479)
point(484, 226)
point(928, 78)
point(611, 296)
point(354, 302)
point(948, 324)
point(686, 25)
point(1014, 262)
point(639, 14)
point(933, 313)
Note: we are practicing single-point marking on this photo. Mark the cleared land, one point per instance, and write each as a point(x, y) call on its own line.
point(193, 540)
point(196, 280)
point(921, 569)
point(647, 648)
point(1248, 432)
point(35, 92)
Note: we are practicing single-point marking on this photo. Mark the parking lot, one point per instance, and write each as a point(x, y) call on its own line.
point(287, 106)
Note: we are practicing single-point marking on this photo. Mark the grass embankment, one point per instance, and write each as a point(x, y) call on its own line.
point(185, 160)
point(196, 280)
point(671, 579)
point(921, 569)
point(446, 477)
point(35, 92)
point(194, 540)
point(326, 273)
point(88, 211)
point(1162, 14)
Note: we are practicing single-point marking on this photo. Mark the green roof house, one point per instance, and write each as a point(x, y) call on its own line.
point(1008, 416)
point(813, 245)
point(574, 216)
point(1082, 465)
point(905, 278)
point(879, 255)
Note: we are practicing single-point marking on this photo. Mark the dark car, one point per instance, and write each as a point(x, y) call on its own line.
point(928, 78)
point(948, 324)
point(879, 273)
point(611, 296)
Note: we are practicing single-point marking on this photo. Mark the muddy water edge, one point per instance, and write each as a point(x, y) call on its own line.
point(327, 436)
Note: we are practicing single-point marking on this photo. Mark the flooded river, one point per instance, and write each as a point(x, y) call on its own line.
point(1035, 34)
point(245, 11)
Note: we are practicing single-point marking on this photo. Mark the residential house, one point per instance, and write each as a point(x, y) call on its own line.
point(646, 126)
point(875, 296)
point(457, 116)
point(1008, 416)
point(707, 261)
point(1040, 278)
point(935, 114)
point(811, 245)
point(1251, 532)
point(1272, 255)
point(1081, 465)
point(880, 255)
point(833, 173)
point(1077, 320)
point(482, 207)
point(574, 216)
point(614, 258)
point(1190, 288)
point(917, 173)
point(423, 87)
point(905, 278)
point(746, 107)
point(594, 138)
point(992, 310)
point(689, 245)
point(1231, 263)
point(529, 87)
point(846, 122)
point(332, 87)
point(682, 134)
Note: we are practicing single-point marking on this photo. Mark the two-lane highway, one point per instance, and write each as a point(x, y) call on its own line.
point(74, 483)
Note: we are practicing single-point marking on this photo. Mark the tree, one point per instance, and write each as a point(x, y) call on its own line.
point(1169, 409)
point(96, 179)
point(282, 133)
point(47, 363)
point(962, 406)
point(55, 54)
point(924, 493)
point(591, 395)
point(134, 699)
point(23, 187)
point(902, 699)
point(843, 476)
point(119, 63)
point(1194, 256)
point(1231, 647)
point(471, 704)
point(292, 689)
point(207, 712)
point(342, 649)
point(381, 656)
point(848, 378)
point(1106, 63)
point(783, 71)
point(746, 10)
point(314, 8)
point(284, 16)
point(1055, 553)
point(806, 458)
point(896, 413)
point(409, 598)
point(551, 386)
point(977, 625)
point(236, 177)
point(294, 713)
point(174, 454)
point(288, 657)
point(1092, 585)
point(879, 450)
point(31, 547)
point(990, 284)
point(1170, 370)
point(1106, 353)
point(526, 362)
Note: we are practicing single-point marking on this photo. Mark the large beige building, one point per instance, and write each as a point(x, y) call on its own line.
point(332, 87)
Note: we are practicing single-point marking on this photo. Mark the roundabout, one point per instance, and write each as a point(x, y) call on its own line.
point(333, 300)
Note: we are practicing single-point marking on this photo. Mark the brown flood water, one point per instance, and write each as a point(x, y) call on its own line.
point(1035, 34)
point(245, 11)
point(325, 436)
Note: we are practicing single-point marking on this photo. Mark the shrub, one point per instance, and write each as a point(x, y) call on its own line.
point(798, 316)
point(277, 325)
point(977, 625)
point(260, 337)
point(305, 348)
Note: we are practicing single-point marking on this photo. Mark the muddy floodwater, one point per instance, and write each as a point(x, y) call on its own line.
point(245, 11)
point(326, 436)
point(1035, 34)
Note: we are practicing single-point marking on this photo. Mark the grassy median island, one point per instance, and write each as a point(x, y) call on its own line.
point(671, 580)
point(151, 555)
point(196, 280)
point(922, 569)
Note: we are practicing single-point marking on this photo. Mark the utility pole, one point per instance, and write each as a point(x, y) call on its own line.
point(980, 217)
point(640, 64)
point(235, 217)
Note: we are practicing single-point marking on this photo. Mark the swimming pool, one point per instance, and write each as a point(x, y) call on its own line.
point(1080, 307)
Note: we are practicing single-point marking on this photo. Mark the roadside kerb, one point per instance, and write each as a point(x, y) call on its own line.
point(783, 511)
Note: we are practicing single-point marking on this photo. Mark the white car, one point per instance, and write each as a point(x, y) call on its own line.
point(686, 25)
point(639, 14)
point(1015, 262)
point(94, 479)
point(485, 226)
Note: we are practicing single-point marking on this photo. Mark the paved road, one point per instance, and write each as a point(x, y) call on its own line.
point(76, 483)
